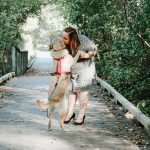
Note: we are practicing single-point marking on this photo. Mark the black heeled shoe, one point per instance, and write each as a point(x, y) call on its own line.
point(72, 117)
point(80, 123)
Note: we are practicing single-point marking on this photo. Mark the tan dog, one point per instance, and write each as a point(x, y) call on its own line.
point(60, 79)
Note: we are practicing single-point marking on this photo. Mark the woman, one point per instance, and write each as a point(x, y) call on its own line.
point(83, 72)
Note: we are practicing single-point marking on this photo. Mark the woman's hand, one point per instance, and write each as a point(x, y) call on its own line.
point(87, 55)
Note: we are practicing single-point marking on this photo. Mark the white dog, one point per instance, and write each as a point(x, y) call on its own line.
point(60, 79)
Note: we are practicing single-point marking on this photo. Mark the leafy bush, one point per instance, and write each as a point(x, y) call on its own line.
point(13, 13)
point(122, 31)
point(144, 106)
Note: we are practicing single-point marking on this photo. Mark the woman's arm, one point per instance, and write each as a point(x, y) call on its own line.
point(87, 55)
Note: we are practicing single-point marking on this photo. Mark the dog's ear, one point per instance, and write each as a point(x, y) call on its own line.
point(50, 46)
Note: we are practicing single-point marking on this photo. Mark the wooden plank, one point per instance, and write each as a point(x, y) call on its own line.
point(13, 59)
point(143, 119)
point(19, 61)
point(7, 77)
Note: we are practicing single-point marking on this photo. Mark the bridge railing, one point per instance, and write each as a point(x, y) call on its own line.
point(127, 106)
point(19, 61)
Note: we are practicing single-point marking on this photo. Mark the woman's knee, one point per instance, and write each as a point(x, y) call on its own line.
point(84, 95)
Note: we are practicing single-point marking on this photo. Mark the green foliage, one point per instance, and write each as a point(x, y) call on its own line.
point(13, 13)
point(120, 28)
point(144, 106)
point(122, 31)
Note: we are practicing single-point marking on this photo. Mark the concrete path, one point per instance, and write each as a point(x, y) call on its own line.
point(23, 126)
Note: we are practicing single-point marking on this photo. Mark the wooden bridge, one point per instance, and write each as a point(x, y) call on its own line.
point(112, 122)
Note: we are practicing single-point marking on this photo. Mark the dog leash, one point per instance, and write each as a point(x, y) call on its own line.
point(58, 68)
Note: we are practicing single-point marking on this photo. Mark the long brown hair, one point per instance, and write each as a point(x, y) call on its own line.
point(74, 39)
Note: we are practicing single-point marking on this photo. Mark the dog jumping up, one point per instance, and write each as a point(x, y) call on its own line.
point(60, 79)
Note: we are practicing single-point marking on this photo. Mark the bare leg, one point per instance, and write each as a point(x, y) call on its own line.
point(71, 104)
point(83, 99)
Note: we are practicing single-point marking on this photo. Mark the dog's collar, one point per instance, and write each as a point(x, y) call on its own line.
point(59, 49)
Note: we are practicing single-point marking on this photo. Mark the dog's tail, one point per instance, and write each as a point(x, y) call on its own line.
point(41, 104)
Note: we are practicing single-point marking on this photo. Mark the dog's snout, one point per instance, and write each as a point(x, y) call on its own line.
point(62, 43)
